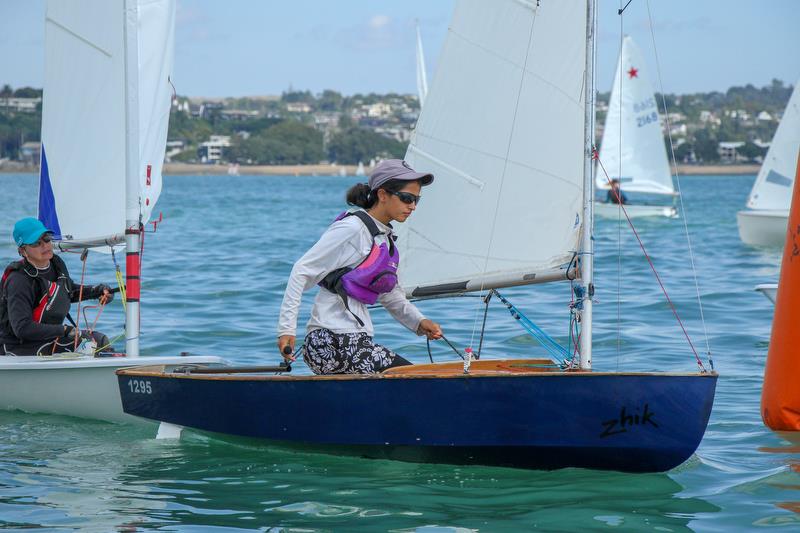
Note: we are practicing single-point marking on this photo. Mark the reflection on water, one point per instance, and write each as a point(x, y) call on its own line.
point(786, 480)
point(102, 477)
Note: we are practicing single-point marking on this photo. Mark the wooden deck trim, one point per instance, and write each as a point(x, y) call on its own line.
point(444, 371)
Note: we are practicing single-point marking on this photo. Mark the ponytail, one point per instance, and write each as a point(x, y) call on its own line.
point(361, 196)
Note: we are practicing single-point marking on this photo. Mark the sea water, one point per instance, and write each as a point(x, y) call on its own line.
point(213, 279)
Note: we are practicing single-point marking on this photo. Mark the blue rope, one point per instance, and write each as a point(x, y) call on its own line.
point(547, 342)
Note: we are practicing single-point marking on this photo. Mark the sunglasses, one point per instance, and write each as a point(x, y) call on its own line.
point(407, 197)
point(43, 239)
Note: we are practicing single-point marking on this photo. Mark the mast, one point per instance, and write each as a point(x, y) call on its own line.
point(587, 244)
point(132, 208)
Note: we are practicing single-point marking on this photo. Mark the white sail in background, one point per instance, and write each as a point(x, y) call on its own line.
point(505, 207)
point(422, 76)
point(156, 54)
point(773, 186)
point(641, 165)
point(82, 192)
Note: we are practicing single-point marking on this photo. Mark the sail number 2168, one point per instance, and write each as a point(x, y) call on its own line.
point(644, 120)
point(140, 386)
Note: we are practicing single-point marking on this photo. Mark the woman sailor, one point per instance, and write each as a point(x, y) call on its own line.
point(35, 297)
point(355, 263)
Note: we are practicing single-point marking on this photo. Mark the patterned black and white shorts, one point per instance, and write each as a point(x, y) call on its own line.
point(326, 352)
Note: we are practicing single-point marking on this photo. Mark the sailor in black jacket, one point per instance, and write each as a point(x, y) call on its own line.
point(35, 297)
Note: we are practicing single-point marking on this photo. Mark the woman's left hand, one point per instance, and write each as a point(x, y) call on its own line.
point(106, 296)
point(430, 329)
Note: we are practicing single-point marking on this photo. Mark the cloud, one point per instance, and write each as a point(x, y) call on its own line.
point(194, 25)
point(378, 21)
point(377, 32)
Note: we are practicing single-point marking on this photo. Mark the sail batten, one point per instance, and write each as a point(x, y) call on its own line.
point(502, 131)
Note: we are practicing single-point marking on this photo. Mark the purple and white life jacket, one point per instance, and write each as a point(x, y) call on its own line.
point(375, 275)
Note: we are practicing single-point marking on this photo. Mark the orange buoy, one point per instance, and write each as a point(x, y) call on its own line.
point(780, 397)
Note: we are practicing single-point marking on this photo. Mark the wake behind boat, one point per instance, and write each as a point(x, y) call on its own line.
point(106, 107)
point(502, 232)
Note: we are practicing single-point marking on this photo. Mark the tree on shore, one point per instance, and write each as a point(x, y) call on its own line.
point(355, 144)
point(285, 143)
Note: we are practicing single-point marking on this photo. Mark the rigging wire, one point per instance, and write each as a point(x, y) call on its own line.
point(619, 209)
point(545, 340)
point(653, 268)
point(678, 181)
point(84, 258)
point(622, 9)
point(120, 281)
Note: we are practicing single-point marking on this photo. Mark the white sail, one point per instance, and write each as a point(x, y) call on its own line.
point(82, 194)
point(156, 42)
point(641, 165)
point(422, 76)
point(773, 186)
point(502, 130)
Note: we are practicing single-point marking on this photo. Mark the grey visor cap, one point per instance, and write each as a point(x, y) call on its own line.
point(396, 169)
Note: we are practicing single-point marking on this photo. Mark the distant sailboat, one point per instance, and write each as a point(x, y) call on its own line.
point(511, 205)
point(360, 169)
point(104, 129)
point(769, 290)
point(422, 76)
point(632, 149)
point(764, 221)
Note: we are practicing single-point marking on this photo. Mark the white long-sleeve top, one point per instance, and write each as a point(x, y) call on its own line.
point(345, 244)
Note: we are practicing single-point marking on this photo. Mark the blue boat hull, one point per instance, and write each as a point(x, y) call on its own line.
point(627, 422)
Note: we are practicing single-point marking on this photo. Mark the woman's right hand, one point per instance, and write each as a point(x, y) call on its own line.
point(283, 342)
point(430, 329)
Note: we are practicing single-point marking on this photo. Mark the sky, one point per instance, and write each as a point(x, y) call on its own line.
point(265, 47)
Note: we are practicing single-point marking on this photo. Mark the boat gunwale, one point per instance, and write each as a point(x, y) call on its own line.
point(81, 361)
point(159, 372)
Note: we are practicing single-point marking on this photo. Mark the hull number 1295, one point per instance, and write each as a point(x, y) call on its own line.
point(140, 386)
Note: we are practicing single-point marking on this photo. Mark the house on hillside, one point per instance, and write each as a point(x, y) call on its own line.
point(30, 153)
point(728, 152)
point(213, 149)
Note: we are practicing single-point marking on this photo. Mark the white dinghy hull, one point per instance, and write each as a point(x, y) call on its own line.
point(606, 210)
point(770, 290)
point(75, 385)
point(763, 227)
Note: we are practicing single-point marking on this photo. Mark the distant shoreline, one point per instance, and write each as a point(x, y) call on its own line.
point(183, 169)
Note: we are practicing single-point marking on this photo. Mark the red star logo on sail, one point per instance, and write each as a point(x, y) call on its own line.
point(633, 73)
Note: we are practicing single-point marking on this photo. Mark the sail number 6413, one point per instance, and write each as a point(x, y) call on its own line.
point(140, 386)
